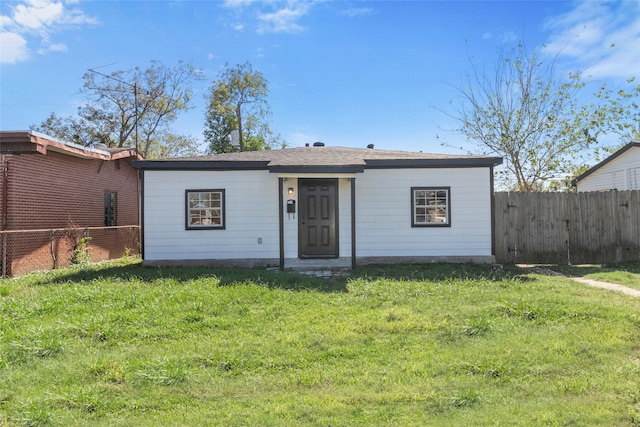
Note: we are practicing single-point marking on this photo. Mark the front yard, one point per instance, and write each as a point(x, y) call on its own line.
point(116, 344)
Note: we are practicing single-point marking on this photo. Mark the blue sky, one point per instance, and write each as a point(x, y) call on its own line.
point(348, 73)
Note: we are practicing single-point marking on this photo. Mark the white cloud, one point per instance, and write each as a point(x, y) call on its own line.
point(508, 37)
point(272, 16)
point(283, 20)
point(357, 11)
point(603, 37)
point(13, 48)
point(5, 21)
point(37, 15)
point(238, 3)
point(33, 22)
point(52, 47)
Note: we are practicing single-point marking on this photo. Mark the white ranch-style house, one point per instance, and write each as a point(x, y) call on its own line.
point(331, 205)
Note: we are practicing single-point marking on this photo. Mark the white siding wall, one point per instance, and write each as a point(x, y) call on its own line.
point(383, 209)
point(251, 213)
point(621, 174)
point(383, 215)
point(634, 178)
point(344, 221)
point(290, 221)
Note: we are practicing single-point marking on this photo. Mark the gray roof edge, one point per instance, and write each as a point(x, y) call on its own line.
point(612, 157)
point(354, 162)
point(434, 163)
point(199, 165)
point(316, 169)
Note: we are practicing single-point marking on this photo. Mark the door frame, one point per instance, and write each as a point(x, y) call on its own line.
point(336, 232)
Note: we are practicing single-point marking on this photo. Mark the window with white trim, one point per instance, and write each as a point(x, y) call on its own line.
point(431, 206)
point(205, 210)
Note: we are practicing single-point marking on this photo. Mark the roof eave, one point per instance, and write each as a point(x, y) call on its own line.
point(472, 162)
point(316, 169)
point(265, 165)
point(612, 157)
point(198, 165)
point(27, 142)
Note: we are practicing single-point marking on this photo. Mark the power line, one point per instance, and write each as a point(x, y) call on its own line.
point(135, 98)
point(152, 95)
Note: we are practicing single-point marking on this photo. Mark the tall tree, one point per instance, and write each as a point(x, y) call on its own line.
point(537, 121)
point(217, 133)
point(238, 101)
point(73, 129)
point(623, 110)
point(129, 108)
point(173, 146)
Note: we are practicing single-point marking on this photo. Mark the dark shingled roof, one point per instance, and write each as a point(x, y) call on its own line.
point(303, 158)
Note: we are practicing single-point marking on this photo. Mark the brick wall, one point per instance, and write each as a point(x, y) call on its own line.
point(3, 160)
point(24, 251)
point(58, 191)
point(49, 194)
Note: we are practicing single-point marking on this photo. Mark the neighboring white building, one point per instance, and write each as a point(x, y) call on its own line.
point(327, 204)
point(620, 171)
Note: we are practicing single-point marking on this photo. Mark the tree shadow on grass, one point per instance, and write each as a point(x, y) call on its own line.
point(222, 276)
point(274, 279)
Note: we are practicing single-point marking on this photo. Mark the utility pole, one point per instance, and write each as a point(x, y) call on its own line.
point(134, 86)
point(239, 117)
point(135, 103)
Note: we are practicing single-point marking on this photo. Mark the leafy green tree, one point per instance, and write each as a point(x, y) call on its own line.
point(565, 183)
point(623, 110)
point(218, 132)
point(132, 108)
point(73, 129)
point(536, 120)
point(174, 146)
point(238, 101)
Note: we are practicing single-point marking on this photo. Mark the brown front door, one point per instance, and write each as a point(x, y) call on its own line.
point(317, 218)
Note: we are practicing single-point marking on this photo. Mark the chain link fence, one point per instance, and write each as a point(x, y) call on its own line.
point(23, 251)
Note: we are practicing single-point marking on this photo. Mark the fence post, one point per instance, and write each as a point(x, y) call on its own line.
point(53, 253)
point(4, 254)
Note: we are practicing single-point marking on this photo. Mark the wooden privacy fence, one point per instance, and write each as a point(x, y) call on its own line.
point(567, 228)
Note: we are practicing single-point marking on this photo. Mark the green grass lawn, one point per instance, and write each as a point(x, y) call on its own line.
point(627, 274)
point(116, 344)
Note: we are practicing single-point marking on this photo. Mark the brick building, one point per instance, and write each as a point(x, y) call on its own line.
point(52, 194)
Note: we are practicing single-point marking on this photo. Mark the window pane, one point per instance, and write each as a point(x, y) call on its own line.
point(431, 206)
point(205, 209)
